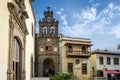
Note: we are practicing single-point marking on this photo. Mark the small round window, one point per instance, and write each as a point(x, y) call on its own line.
point(77, 61)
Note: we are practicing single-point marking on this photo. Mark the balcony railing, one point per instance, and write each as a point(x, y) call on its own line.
point(77, 54)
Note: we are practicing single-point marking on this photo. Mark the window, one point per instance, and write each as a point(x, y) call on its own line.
point(48, 48)
point(83, 49)
point(116, 61)
point(31, 67)
point(101, 60)
point(99, 73)
point(16, 51)
point(70, 67)
point(32, 30)
point(44, 30)
point(84, 68)
point(77, 61)
point(108, 61)
point(70, 49)
point(52, 30)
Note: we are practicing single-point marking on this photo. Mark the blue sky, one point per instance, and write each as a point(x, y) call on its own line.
point(98, 20)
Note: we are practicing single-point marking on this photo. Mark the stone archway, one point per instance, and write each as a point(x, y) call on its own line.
point(17, 59)
point(48, 67)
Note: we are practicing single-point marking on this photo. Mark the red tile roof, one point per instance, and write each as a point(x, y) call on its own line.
point(105, 52)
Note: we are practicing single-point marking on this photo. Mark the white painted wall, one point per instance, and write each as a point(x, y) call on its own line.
point(3, 72)
point(29, 39)
point(4, 38)
point(109, 67)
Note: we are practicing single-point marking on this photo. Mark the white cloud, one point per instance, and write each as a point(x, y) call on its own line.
point(110, 5)
point(88, 22)
point(89, 14)
point(96, 4)
point(115, 31)
point(63, 18)
point(90, 1)
point(60, 11)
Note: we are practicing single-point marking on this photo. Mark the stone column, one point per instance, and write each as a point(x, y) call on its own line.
point(10, 72)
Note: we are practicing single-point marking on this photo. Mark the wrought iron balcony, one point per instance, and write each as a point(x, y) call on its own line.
point(77, 54)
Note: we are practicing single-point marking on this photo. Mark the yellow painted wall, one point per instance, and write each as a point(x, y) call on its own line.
point(65, 60)
point(94, 63)
point(78, 70)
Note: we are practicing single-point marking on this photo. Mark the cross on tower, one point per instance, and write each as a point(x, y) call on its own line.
point(48, 8)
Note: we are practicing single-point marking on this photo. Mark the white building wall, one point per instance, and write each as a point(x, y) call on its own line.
point(4, 38)
point(29, 39)
point(109, 67)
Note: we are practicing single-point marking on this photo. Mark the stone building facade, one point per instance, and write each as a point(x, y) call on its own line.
point(47, 54)
point(75, 57)
point(13, 32)
point(105, 63)
point(55, 52)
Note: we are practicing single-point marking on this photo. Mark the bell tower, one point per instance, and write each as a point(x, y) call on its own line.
point(48, 25)
point(48, 45)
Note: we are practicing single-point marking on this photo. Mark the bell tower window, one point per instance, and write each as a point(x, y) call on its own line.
point(44, 30)
point(52, 30)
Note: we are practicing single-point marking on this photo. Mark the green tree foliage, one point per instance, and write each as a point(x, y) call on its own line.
point(63, 76)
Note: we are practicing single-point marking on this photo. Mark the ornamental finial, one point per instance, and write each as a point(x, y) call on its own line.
point(48, 8)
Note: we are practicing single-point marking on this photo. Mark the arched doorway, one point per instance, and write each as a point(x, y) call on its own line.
point(48, 67)
point(17, 59)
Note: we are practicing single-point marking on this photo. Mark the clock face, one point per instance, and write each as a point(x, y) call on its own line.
point(48, 19)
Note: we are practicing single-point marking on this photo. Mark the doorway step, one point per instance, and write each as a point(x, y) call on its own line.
point(41, 78)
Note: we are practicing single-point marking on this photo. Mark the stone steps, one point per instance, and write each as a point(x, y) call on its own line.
point(41, 78)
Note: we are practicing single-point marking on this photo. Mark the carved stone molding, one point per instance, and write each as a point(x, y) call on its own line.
point(19, 19)
point(20, 3)
point(11, 21)
point(10, 71)
point(10, 6)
